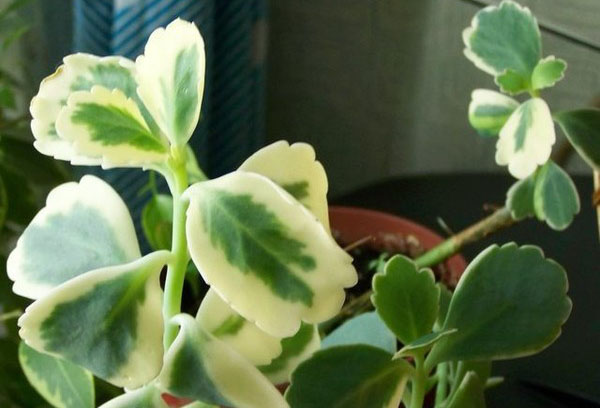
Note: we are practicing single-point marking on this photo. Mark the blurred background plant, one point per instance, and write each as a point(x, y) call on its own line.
point(26, 176)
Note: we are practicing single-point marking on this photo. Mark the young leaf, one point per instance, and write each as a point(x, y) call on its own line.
point(505, 290)
point(504, 37)
point(582, 128)
point(519, 198)
point(108, 320)
point(367, 328)
point(511, 82)
point(555, 197)
point(445, 298)
point(80, 72)
point(83, 226)
point(348, 377)
point(218, 318)
point(469, 393)
point(406, 299)
point(548, 72)
point(171, 78)
point(105, 124)
point(194, 172)
point(200, 367)
point(526, 139)
point(295, 169)
point(157, 221)
point(265, 254)
point(145, 397)
point(489, 111)
point(61, 383)
point(295, 350)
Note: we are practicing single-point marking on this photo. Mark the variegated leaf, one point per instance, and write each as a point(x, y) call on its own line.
point(526, 139)
point(79, 72)
point(218, 318)
point(106, 124)
point(200, 367)
point(108, 320)
point(83, 226)
point(504, 37)
point(555, 198)
point(548, 72)
point(295, 350)
point(61, 383)
point(265, 253)
point(171, 78)
point(295, 169)
point(489, 111)
point(145, 397)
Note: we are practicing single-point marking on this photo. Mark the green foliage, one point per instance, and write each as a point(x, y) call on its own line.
point(348, 377)
point(157, 221)
point(145, 397)
point(520, 198)
point(367, 328)
point(582, 128)
point(548, 72)
point(406, 299)
point(469, 394)
point(555, 197)
point(63, 384)
point(505, 290)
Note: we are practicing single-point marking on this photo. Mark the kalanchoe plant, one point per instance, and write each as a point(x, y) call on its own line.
point(260, 239)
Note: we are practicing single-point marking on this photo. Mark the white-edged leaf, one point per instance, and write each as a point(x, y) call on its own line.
point(504, 37)
point(61, 383)
point(106, 124)
point(295, 350)
point(200, 367)
point(108, 321)
point(218, 318)
point(295, 169)
point(489, 111)
point(366, 328)
point(555, 197)
point(170, 75)
point(83, 226)
point(548, 72)
point(526, 139)
point(145, 397)
point(265, 253)
point(519, 198)
point(79, 72)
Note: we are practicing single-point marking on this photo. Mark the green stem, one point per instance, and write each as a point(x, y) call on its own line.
point(501, 218)
point(419, 382)
point(10, 315)
point(442, 386)
point(177, 266)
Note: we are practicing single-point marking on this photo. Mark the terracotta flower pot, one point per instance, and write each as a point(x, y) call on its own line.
point(353, 224)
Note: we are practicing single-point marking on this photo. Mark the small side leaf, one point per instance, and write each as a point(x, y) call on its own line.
point(200, 367)
point(218, 318)
point(61, 383)
point(423, 344)
point(294, 350)
point(108, 320)
point(406, 299)
point(469, 393)
point(361, 376)
point(489, 111)
point(265, 254)
point(83, 226)
point(505, 290)
point(526, 139)
point(157, 221)
point(548, 72)
point(295, 169)
point(170, 75)
point(512, 83)
point(519, 198)
point(367, 328)
point(555, 197)
point(106, 125)
point(582, 128)
point(145, 397)
point(504, 37)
